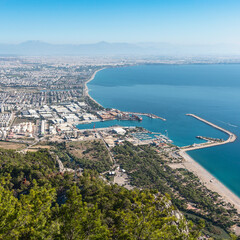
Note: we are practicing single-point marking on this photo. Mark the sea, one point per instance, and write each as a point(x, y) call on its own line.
point(211, 91)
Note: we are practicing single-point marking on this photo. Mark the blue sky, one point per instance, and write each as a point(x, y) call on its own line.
point(89, 21)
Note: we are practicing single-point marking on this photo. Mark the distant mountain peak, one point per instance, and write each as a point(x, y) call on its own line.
point(103, 43)
point(37, 48)
point(34, 42)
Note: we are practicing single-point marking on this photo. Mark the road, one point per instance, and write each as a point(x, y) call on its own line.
point(109, 151)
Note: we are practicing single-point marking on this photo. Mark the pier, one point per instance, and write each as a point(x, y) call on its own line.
point(150, 115)
point(232, 137)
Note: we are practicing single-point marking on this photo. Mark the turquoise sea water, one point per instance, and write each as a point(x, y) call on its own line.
point(171, 91)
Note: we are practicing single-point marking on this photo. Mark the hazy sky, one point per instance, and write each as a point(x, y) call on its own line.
point(88, 21)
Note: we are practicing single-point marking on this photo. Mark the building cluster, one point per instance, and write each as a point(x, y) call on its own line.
point(56, 118)
point(65, 112)
point(22, 72)
point(46, 96)
point(22, 130)
point(5, 119)
point(21, 100)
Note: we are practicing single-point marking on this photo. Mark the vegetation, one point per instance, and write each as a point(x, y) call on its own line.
point(146, 169)
point(36, 202)
point(85, 154)
point(93, 104)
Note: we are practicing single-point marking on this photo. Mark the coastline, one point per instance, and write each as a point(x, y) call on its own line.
point(86, 92)
point(209, 180)
point(193, 166)
point(206, 177)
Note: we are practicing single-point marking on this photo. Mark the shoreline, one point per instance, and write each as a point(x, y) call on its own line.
point(206, 177)
point(86, 91)
point(211, 182)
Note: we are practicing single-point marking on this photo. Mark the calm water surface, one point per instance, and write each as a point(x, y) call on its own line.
point(171, 91)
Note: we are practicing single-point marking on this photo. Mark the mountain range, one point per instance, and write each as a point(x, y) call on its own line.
point(105, 48)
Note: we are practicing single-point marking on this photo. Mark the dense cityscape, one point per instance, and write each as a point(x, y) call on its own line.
point(45, 100)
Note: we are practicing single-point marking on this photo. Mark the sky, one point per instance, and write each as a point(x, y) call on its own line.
point(133, 21)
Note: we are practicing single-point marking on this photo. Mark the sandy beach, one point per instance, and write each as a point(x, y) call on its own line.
point(208, 179)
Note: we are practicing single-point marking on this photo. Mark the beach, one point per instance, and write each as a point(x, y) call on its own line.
point(85, 92)
point(208, 179)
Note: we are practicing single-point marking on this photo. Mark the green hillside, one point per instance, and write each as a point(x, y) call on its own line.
point(36, 202)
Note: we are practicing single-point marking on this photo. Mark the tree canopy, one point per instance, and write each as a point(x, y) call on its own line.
point(36, 202)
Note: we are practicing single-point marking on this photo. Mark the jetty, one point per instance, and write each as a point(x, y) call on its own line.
point(150, 115)
point(232, 137)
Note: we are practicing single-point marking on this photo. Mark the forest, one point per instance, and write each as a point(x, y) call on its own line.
point(147, 170)
point(38, 202)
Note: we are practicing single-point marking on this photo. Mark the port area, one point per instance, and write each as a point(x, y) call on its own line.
point(120, 115)
point(210, 142)
point(150, 115)
point(114, 135)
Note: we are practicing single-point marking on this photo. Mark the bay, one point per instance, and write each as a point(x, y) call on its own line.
point(170, 91)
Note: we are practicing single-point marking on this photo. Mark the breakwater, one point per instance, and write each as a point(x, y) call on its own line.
point(232, 137)
point(147, 114)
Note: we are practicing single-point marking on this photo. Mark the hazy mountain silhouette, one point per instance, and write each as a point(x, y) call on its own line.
point(105, 48)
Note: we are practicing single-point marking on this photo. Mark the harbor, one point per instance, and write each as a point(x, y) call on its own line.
point(182, 130)
point(150, 115)
point(232, 137)
point(206, 177)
